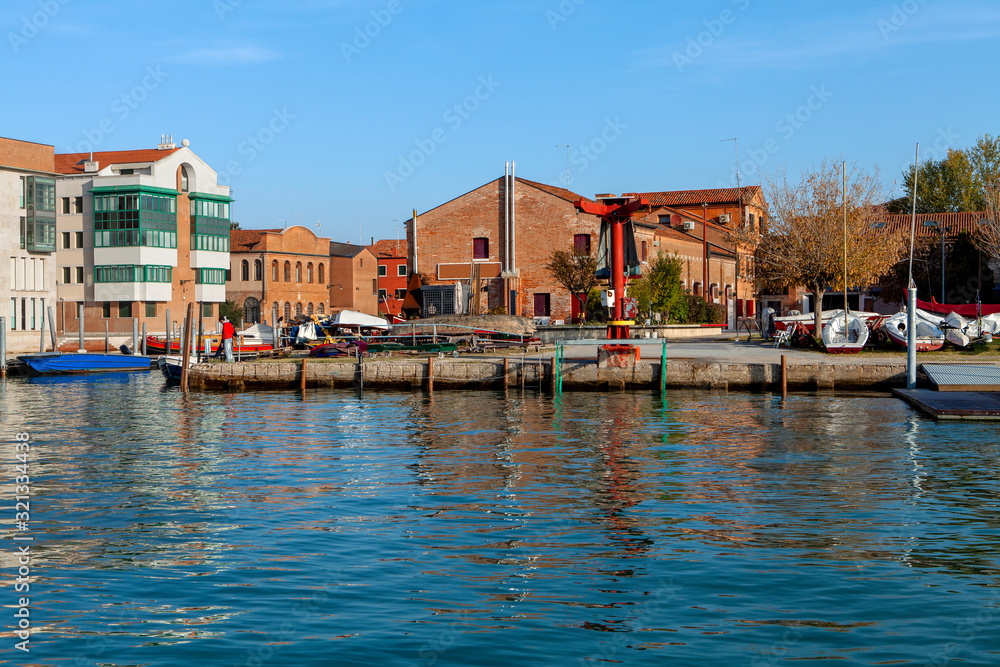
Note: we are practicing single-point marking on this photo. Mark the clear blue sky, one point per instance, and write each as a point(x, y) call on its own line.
point(311, 119)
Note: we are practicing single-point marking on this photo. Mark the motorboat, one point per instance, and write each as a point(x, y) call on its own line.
point(171, 366)
point(845, 334)
point(929, 335)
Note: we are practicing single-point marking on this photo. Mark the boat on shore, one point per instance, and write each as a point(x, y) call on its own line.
point(62, 363)
point(929, 335)
point(845, 334)
point(807, 321)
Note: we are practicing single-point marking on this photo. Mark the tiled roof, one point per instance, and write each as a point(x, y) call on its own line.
point(338, 249)
point(697, 197)
point(553, 190)
point(244, 240)
point(389, 248)
point(959, 222)
point(72, 163)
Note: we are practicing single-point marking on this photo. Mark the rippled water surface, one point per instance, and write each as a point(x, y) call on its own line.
point(481, 529)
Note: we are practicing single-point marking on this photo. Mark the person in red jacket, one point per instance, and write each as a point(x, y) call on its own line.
point(228, 332)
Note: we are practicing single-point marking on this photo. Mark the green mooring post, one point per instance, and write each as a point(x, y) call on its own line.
point(663, 368)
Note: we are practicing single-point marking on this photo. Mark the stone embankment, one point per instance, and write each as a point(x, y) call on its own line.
point(576, 374)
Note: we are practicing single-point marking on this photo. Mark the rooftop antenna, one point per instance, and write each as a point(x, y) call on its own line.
point(566, 146)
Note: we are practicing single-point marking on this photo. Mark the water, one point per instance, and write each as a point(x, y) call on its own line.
point(474, 529)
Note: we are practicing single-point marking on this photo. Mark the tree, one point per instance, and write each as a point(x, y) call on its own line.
point(232, 311)
point(804, 240)
point(957, 183)
point(660, 290)
point(233, 225)
point(576, 271)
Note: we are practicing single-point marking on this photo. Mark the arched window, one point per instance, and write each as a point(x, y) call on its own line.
point(258, 269)
point(251, 310)
point(298, 307)
point(274, 271)
point(298, 272)
point(275, 309)
point(309, 308)
point(244, 270)
point(288, 311)
point(288, 272)
point(184, 179)
point(309, 272)
point(321, 309)
point(322, 278)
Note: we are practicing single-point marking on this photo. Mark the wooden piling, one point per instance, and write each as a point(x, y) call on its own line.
point(506, 372)
point(185, 349)
point(302, 376)
point(430, 373)
point(784, 375)
point(553, 373)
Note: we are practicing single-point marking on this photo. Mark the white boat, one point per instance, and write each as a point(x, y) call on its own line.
point(352, 319)
point(929, 335)
point(845, 335)
point(170, 366)
point(956, 330)
point(806, 320)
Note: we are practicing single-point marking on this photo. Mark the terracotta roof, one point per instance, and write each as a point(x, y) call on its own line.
point(338, 249)
point(388, 248)
point(959, 222)
point(697, 197)
point(244, 240)
point(72, 163)
point(553, 190)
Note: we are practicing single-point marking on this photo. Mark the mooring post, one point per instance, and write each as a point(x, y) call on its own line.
point(79, 316)
point(302, 377)
point(554, 372)
point(506, 373)
point(185, 348)
point(3, 347)
point(663, 368)
point(784, 375)
point(166, 332)
point(52, 330)
point(430, 373)
point(144, 339)
point(107, 337)
point(135, 335)
point(41, 336)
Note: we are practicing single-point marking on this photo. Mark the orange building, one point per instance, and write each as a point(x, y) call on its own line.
point(353, 278)
point(391, 256)
point(286, 270)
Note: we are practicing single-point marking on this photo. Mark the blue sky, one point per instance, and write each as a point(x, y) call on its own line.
point(352, 113)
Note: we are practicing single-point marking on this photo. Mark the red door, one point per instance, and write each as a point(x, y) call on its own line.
point(541, 305)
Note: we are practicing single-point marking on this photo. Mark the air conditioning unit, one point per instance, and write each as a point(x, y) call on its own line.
point(688, 225)
point(724, 218)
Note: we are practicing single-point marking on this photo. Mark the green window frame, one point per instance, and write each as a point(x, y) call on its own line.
point(132, 273)
point(210, 277)
point(210, 222)
point(135, 216)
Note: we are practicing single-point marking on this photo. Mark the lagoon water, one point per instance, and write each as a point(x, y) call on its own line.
point(474, 528)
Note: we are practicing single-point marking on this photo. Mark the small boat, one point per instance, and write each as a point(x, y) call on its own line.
point(929, 335)
point(158, 345)
point(956, 330)
point(845, 339)
point(806, 321)
point(170, 366)
point(49, 363)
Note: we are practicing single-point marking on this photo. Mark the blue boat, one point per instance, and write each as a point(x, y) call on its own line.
point(49, 363)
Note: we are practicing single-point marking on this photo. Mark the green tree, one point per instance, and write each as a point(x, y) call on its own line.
point(232, 311)
point(956, 183)
point(660, 290)
point(576, 271)
point(234, 225)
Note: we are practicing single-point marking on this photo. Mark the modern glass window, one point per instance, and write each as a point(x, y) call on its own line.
point(210, 225)
point(65, 240)
point(382, 270)
point(131, 273)
point(210, 277)
point(124, 309)
point(184, 179)
point(137, 218)
point(13, 313)
point(65, 205)
point(401, 270)
point(480, 248)
point(150, 309)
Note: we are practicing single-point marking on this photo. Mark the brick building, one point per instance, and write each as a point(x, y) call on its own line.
point(139, 233)
point(28, 240)
point(353, 278)
point(497, 240)
point(392, 275)
point(279, 269)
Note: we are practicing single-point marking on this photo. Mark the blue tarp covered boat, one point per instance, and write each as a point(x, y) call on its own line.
point(48, 363)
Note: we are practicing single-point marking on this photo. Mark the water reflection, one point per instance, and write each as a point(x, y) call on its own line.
point(435, 529)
